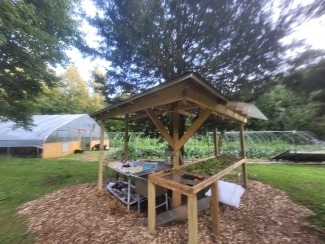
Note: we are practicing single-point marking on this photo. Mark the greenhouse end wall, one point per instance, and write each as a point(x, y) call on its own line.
point(58, 149)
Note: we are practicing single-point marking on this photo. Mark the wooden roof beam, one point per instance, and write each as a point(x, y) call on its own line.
point(141, 116)
point(161, 127)
point(168, 108)
point(116, 118)
point(208, 102)
point(156, 99)
point(193, 128)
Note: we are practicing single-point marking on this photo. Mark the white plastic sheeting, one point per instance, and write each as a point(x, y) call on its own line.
point(248, 109)
point(57, 128)
point(229, 193)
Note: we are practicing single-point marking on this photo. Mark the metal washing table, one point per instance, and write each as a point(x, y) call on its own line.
point(136, 169)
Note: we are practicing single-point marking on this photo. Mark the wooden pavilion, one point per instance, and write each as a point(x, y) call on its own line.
point(188, 95)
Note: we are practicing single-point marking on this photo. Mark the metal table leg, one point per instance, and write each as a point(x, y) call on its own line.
point(129, 193)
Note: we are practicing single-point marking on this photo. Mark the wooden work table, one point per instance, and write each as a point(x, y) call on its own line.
point(173, 179)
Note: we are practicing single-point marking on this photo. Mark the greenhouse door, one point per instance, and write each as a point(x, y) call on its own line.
point(85, 143)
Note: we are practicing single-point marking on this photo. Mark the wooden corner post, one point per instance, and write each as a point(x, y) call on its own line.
point(192, 212)
point(126, 140)
point(176, 196)
point(101, 156)
point(151, 207)
point(215, 208)
point(243, 153)
point(216, 143)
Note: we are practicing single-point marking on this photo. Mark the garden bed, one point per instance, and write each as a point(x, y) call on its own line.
point(211, 166)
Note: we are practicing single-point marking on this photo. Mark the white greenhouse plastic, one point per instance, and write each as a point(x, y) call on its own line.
point(52, 129)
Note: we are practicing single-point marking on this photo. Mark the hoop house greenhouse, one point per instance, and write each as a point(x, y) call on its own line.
point(51, 136)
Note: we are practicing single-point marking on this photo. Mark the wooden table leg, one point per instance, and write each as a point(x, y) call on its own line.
point(176, 199)
point(244, 168)
point(215, 208)
point(193, 237)
point(151, 207)
point(176, 196)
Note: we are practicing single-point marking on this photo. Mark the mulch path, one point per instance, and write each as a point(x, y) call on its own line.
point(80, 214)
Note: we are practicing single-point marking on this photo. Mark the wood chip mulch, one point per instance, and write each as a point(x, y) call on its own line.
point(81, 214)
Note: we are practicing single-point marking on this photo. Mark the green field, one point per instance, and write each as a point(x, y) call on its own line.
point(304, 184)
point(26, 179)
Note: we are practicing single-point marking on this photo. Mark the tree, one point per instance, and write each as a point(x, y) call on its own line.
point(317, 9)
point(72, 95)
point(297, 102)
point(307, 79)
point(234, 44)
point(99, 83)
point(309, 83)
point(33, 35)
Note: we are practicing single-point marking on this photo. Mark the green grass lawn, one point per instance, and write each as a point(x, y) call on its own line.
point(304, 184)
point(26, 179)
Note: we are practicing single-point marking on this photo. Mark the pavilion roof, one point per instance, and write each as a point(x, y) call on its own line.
point(186, 94)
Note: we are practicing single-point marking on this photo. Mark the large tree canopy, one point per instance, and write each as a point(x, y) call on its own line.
point(232, 43)
point(33, 35)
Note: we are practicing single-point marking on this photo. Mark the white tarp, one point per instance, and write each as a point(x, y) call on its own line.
point(228, 193)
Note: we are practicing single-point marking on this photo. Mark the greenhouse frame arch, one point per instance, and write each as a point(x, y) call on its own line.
point(51, 136)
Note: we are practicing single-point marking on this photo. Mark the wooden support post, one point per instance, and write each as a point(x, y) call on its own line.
point(215, 208)
point(101, 156)
point(243, 153)
point(126, 140)
point(245, 179)
point(176, 138)
point(176, 196)
point(151, 207)
point(242, 141)
point(193, 237)
point(216, 143)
